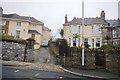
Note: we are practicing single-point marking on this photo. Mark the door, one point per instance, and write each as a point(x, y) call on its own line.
point(74, 41)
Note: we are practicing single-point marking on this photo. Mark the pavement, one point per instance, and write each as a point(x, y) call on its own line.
point(33, 66)
point(96, 74)
point(50, 67)
point(15, 63)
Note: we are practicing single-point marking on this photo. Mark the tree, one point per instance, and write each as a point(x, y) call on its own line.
point(62, 32)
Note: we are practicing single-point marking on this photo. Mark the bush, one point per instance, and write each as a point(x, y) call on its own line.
point(8, 38)
point(5, 37)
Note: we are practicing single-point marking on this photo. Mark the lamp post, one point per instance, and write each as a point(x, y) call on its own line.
point(82, 33)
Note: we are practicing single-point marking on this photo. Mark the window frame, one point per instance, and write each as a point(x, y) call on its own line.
point(98, 42)
point(17, 35)
point(19, 23)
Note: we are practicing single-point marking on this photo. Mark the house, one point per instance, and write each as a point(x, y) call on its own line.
point(24, 27)
point(114, 31)
point(46, 36)
point(92, 31)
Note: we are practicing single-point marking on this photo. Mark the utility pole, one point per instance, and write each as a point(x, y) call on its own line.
point(82, 33)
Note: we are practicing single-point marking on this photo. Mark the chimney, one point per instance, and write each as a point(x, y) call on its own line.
point(66, 21)
point(102, 16)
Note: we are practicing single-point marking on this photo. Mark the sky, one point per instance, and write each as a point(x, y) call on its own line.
point(52, 12)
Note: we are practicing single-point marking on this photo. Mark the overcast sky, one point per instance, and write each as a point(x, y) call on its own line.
point(52, 12)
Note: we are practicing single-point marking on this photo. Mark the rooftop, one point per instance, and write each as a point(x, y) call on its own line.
point(23, 18)
point(86, 21)
point(46, 29)
point(114, 22)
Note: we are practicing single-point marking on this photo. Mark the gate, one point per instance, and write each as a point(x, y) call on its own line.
point(100, 59)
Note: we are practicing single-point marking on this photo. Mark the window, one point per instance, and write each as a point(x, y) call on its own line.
point(17, 34)
point(2, 31)
point(2, 22)
point(97, 42)
point(79, 29)
point(33, 36)
point(78, 41)
point(118, 32)
point(92, 43)
point(114, 33)
point(18, 23)
point(74, 29)
point(92, 28)
point(96, 29)
point(86, 41)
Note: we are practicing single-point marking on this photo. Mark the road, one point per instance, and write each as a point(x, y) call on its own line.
point(10, 73)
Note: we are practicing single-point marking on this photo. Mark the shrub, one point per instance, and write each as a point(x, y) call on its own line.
point(5, 37)
point(8, 38)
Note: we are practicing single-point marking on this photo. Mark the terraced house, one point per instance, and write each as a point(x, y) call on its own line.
point(22, 27)
point(93, 32)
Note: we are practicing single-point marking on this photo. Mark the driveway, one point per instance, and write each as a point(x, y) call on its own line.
point(45, 56)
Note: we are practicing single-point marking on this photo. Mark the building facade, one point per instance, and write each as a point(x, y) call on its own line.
point(22, 27)
point(113, 31)
point(46, 35)
point(92, 31)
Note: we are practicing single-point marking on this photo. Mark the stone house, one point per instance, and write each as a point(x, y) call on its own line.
point(113, 31)
point(92, 31)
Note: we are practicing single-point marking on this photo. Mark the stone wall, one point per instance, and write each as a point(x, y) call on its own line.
point(15, 51)
point(112, 63)
point(74, 59)
point(90, 59)
point(54, 48)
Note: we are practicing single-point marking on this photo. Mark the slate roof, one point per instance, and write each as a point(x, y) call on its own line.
point(46, 29)
point(114, 22)
point(86, 21)
point(23, 18)
point(33, 32)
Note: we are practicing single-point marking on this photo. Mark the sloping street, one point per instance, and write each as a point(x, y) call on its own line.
point(45, 56)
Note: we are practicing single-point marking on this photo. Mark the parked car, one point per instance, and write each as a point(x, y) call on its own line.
point(44, 43)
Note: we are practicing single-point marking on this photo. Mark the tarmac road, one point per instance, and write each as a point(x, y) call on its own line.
point(9, 73)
